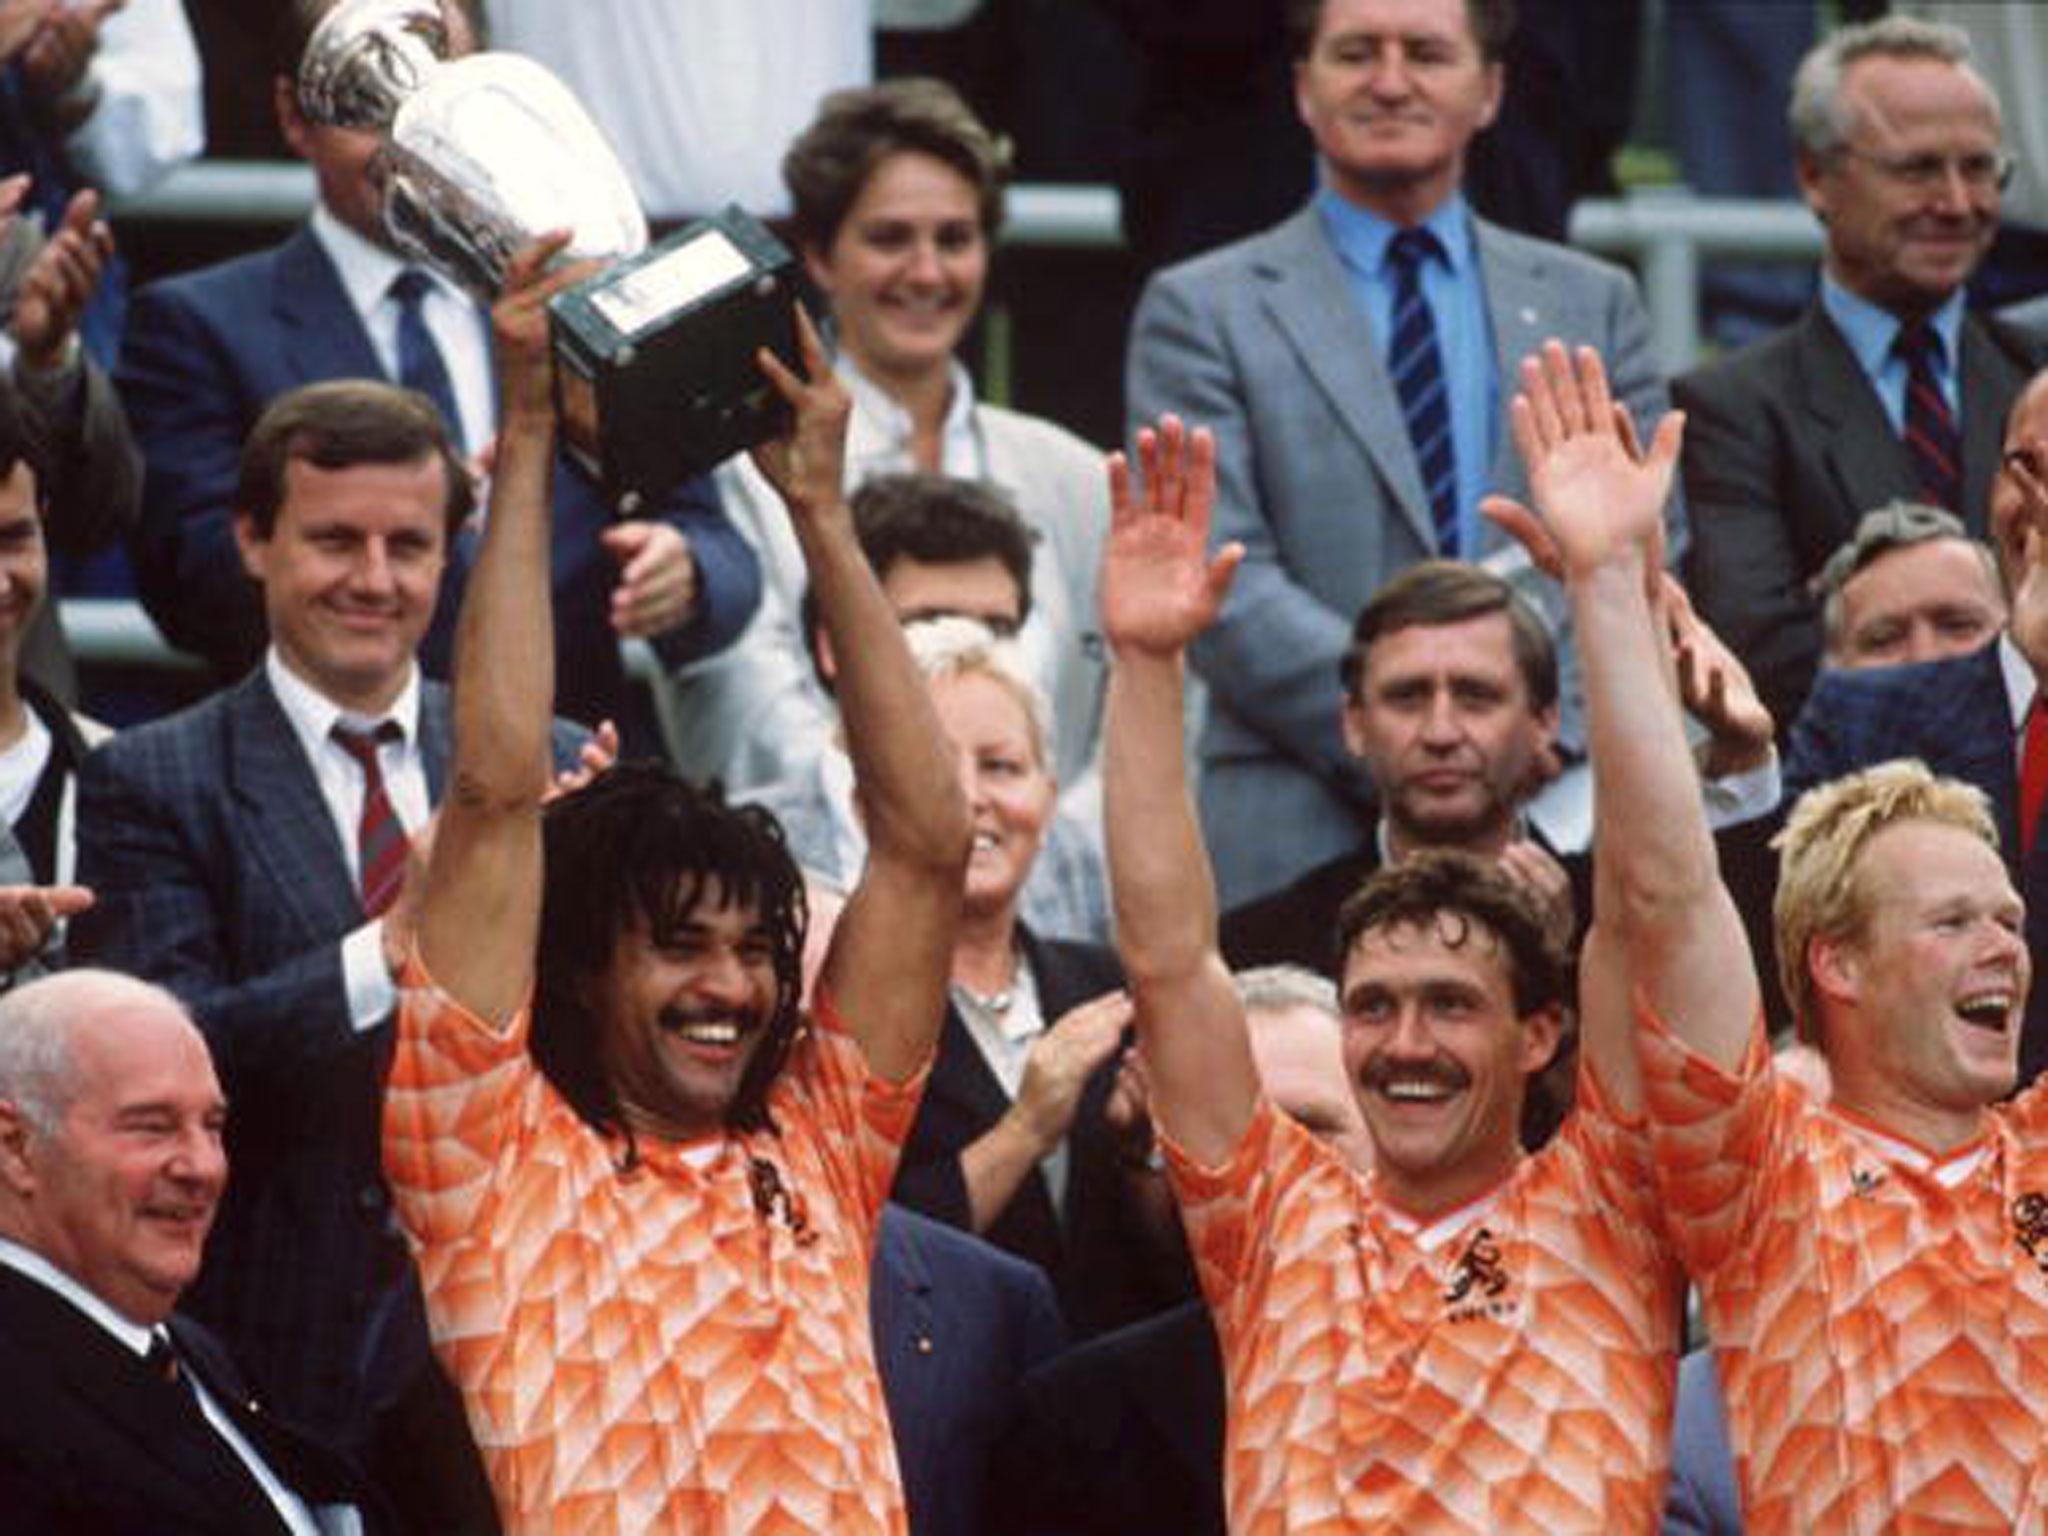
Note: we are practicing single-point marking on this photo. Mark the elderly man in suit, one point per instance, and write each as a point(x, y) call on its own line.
point(1354, 363)
point(207, 350)
point(248, 853)
point(1885, 388)
point(120, 1418)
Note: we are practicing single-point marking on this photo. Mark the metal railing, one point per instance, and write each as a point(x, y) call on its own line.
point(1664, 234)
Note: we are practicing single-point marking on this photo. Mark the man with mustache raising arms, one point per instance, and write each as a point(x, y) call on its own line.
point(1467, 1339)
point(642, 1187)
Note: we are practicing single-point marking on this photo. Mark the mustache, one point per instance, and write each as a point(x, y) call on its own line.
point(1379, 1073)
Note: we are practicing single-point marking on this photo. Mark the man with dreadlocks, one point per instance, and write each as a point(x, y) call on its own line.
point(643, 1190)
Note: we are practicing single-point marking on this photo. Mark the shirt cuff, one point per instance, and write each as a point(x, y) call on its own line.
point(371, 992)
point(1739, 797)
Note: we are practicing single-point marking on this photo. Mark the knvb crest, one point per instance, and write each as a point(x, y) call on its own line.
point(2030, 1227)
point(775, 1200)
point(1479, 1281)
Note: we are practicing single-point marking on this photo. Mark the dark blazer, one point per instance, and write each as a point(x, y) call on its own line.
point(1121, 1436)
point(93, 1444)
point(220, 875)
point(1786, 446)
point(957, 1324)
point(1954, 716)
point(1095, 1257)
point(206, 351)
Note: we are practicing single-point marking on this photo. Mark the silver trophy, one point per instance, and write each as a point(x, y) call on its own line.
point(655, 371)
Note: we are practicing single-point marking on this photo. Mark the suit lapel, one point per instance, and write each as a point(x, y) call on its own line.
point(961, 1076)
point(284, 817)
point(1862, 450)
point(1311, 302)
point(1523, 310)
point(1987, 379)
point(437, 737)
point(322, 336)
point(189, 1466)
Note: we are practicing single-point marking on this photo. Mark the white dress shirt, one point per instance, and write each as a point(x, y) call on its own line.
point(459, 328)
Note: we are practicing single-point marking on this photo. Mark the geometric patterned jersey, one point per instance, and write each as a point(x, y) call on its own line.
point(674, 1348)
point(1879, 1315)
point(1509, 1367)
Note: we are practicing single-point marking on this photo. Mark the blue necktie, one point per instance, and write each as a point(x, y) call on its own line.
point(420, 364)
point(1932, 441)
point(1418, 369)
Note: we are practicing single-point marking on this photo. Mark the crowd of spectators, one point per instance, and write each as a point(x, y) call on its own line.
point(1278, 973)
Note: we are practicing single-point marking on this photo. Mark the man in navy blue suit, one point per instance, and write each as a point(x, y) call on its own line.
point(206, 351)
point(236, 849)
point(120, 1419)
point(957, 1323)
point(1966, 717)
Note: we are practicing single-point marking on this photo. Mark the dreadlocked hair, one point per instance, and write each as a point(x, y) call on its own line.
point(640, 847)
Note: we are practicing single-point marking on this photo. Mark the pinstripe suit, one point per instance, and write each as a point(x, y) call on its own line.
point(220, 875)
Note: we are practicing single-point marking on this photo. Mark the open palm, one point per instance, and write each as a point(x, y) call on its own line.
point(1160, 585)
point(1597, 493)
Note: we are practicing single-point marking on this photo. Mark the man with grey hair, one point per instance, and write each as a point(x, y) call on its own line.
point(119, 1416)
point(1885, 388)
point(1911, 585)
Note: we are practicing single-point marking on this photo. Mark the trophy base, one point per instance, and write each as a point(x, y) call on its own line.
point(655, 372)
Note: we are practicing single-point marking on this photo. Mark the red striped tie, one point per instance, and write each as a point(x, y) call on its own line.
point(380, 839)
point(1932, 441)
point(2033, 773)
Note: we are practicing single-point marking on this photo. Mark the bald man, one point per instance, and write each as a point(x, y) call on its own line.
point(119, 1417)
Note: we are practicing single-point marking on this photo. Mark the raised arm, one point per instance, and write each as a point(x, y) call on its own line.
point(480, 915)
point(1160, 589)
point(886, 969)
point(1659, 906)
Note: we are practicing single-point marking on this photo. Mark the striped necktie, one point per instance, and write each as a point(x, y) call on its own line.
point(380, 837)
point(1932, 441)
point(1417, 365)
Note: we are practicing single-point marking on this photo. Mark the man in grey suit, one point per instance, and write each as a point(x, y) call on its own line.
point(1885, 388)
point(248, 854)
point(1354, 363)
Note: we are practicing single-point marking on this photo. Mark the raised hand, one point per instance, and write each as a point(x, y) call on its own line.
point(28, 913)
point(657, 577)
point(20, 22)
point(519, 326)
point(1532, 866)
point(807, 464)
point(597, 754)
point(1714, 687)
point(60, 282)
point(1598, 495)
point(1160, 585)
point(62, 49)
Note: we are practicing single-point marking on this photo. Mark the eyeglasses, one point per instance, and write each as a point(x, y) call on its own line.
point(1980, 172)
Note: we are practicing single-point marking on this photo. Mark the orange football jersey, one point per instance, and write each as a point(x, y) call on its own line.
point(1879, 1314)
point(679, 1347)
point(1508, 1366)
